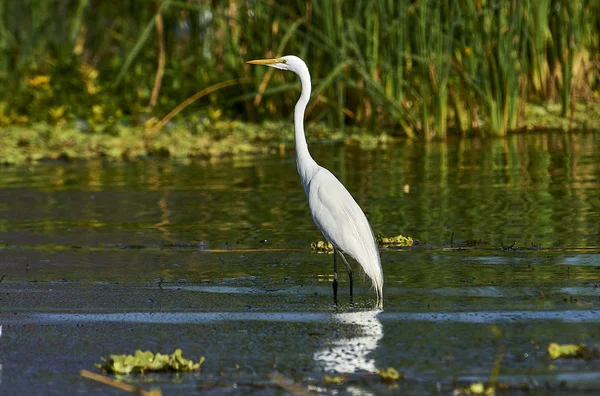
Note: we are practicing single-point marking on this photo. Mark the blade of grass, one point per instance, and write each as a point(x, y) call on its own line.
point(139, 44)
point(269, 73)
point(206, 91)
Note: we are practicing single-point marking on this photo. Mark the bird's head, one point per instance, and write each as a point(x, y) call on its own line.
point(288, 62)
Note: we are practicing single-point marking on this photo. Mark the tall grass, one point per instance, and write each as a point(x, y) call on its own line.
point(424, 68)
point(432, 42)
point(491, 64)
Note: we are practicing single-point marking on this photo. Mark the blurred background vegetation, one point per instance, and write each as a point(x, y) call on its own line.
point(422, 69)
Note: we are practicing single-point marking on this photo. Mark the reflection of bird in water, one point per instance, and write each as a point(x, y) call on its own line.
point(333, 209)
point(348, 355)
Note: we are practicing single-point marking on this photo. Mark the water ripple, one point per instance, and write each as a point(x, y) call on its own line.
point(570, 316)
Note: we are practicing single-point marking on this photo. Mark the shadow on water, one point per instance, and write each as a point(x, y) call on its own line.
point(213, 257)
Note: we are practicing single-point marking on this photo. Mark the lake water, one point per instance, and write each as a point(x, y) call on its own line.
point(214, 257)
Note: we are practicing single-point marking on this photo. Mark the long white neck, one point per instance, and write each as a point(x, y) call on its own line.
point(306, 165)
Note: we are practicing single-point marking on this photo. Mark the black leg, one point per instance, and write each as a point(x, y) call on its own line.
point(335, 277)
point(350, 276)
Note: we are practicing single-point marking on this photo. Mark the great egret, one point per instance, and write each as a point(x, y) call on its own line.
point(333, 209)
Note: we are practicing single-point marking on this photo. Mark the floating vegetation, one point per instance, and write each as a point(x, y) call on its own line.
point(321, 247)
point(143, 362)
point(395, 241)
point(476, 388)
point(382, 241)
point(334, 379)
point(118, 141)
point(572, 351)
point(389, 374)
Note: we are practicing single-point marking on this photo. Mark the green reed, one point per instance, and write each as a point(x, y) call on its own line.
point(568, 20)
point(424, 68)
point(432, 42)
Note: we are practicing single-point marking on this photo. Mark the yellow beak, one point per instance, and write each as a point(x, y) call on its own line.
point(266, 61)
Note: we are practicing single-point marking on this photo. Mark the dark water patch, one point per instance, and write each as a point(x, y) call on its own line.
point(431, 352)
point(482, 317)
point(497, 317)
point(180, 318)
point(587, 382)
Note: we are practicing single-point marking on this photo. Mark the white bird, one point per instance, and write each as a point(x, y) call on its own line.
point(333, 209)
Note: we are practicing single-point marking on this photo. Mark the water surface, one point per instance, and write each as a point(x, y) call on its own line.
point(214, 257)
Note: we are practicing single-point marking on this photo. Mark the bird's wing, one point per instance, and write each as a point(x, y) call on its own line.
point(338, 216)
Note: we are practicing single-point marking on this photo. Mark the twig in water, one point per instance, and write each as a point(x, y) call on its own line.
point(119, 385)
point(290, 387)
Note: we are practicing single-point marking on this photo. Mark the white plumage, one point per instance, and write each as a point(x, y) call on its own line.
point(333, 209)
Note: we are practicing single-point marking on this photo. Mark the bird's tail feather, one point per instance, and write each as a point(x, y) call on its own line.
point(371, 266)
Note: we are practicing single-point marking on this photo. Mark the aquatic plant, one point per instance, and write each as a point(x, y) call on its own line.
point(395, 241)
point(580, 351)
point(420, 69)
point(143, 362)
point(389, 374)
